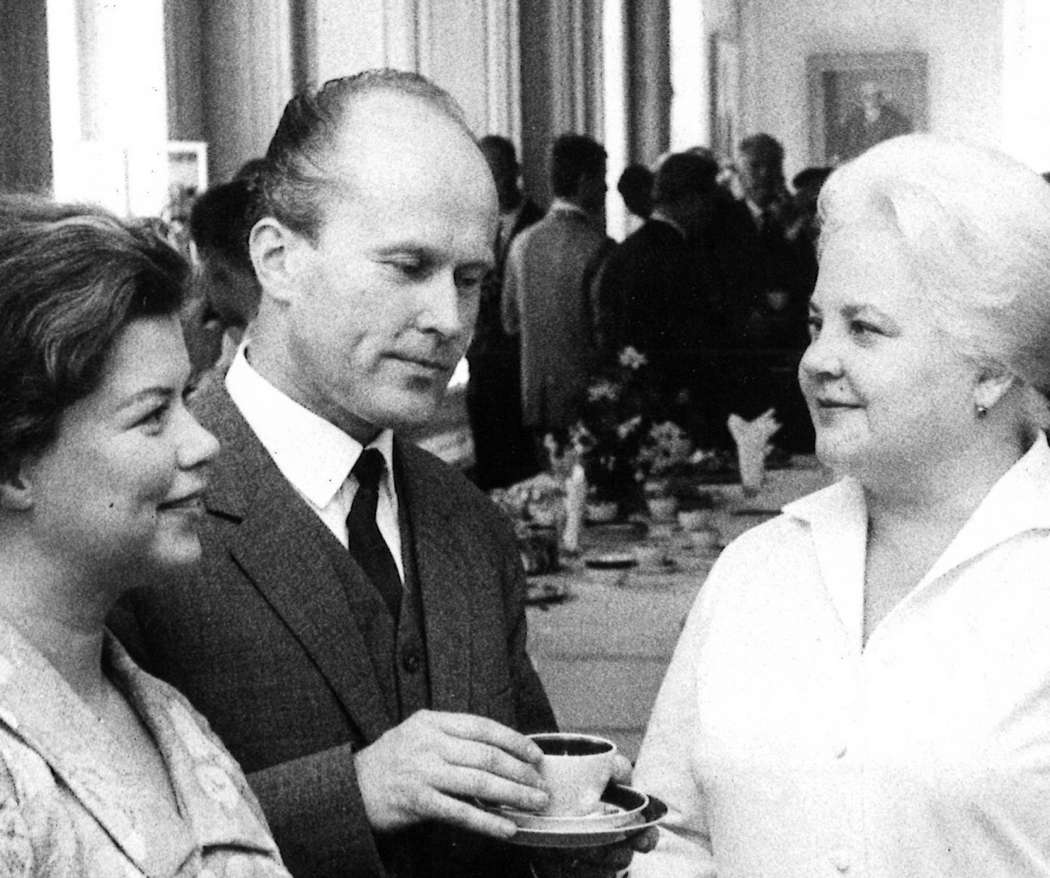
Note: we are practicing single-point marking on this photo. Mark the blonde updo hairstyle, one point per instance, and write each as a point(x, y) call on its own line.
point(975, 227)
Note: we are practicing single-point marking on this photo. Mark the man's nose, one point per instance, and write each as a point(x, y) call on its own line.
point(441, 307)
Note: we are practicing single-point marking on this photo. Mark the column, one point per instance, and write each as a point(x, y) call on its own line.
point(25, 127)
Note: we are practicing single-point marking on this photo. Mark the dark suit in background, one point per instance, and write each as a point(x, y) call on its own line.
point(666, 294)
point(767, 272)
point(656, 283)
point(767, 275)
point(504, 451)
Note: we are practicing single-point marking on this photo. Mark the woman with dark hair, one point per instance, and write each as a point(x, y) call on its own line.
point(104, 770)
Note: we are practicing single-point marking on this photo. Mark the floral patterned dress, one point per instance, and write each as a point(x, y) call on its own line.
point(64, 814)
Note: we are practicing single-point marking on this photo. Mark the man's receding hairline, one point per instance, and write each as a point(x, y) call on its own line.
point(346, 127)
point(341, 166)
point(354, 102)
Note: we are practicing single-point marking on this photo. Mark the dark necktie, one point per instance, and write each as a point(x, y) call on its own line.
point(366, 543)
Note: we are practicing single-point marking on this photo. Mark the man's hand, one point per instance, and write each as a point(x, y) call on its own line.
point(599, 862)
point(432, 765)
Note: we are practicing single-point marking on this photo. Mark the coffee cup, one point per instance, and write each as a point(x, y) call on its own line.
point(575, 769)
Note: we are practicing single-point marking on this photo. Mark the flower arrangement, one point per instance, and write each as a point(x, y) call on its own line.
point(624, 429)
point(666, 451)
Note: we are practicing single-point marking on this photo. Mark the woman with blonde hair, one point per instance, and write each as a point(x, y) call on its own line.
point(863, 686)
point(104, 770)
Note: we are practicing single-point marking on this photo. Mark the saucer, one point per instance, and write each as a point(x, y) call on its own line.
point(611, 561)
point(650, 815)
point(619, 806)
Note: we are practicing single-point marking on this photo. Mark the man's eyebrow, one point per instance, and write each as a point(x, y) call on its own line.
point(407, 245)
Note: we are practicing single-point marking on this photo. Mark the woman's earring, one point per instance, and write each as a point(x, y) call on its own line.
point(981, 411)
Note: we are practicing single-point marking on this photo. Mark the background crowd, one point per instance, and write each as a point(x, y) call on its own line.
point(347, 611)
point(710, 287)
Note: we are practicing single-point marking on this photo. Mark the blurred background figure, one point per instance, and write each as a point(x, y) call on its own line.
point(807, 184)
point(636, 189)
point(224, 278)
point(104, 770)
point(658, 287)
point(803, 225)
point(503, 449)
point(546, 292)
point(767, 272)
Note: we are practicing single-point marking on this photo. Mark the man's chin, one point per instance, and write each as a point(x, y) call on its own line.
point(411, 414)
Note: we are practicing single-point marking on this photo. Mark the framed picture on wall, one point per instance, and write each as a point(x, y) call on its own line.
point(857, 99)
point(725, 96)
point(187, 170)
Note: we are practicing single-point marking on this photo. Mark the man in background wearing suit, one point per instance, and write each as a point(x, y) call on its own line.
point(504, 452)
point(546, 296)
point(371, 695)
point(768, 271)
point(661, 290)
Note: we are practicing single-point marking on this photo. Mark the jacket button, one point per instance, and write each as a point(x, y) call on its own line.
point(410, 659)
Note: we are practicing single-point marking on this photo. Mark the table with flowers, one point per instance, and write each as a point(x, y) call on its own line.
point(618, 536)
point(600, 633)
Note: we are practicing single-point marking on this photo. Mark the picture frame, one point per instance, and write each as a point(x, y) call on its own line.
point(188, 165)
point(857, 99)
point(187, 171)
point(725, 96)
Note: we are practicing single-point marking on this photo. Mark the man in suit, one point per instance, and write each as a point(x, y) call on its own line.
point(504, 452)
point(373, 696)
point(769, 272)
point(636, 189)
point(660, 288)
point(223, 277)
point(546, 287)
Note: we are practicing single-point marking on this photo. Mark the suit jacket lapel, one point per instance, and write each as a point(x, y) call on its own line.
point(278, 545)
point(442, 552)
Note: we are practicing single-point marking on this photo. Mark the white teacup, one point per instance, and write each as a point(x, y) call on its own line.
point(575, 770)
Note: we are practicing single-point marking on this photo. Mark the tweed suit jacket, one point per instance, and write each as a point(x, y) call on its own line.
point(269, 643)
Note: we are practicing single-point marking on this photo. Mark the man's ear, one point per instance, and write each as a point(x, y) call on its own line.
point(16, 491)
point(277, 255)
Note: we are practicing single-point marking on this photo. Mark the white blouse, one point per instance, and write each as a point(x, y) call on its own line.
point(785, 746)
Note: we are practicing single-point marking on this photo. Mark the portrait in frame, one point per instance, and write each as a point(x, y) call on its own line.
point(725, 96)
point(857, 99)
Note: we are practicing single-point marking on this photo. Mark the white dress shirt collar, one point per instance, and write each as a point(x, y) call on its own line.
point(755, 211)
point(561, 204)
point(312, 453)
point(659, 216)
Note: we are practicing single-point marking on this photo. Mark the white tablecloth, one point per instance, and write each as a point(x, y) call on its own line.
point(602, 652)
